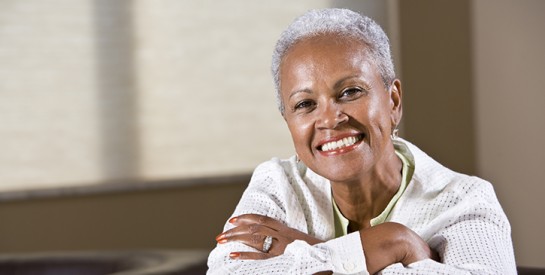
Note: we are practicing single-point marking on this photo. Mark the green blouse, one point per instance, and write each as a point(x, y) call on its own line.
point(341, 223)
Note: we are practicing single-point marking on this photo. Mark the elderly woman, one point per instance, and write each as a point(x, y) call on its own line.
point(356, 198)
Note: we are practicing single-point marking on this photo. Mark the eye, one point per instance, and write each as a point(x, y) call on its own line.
point(304, 104)
point(351, 93)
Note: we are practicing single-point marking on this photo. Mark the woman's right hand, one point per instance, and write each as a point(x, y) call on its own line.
point(390, 243)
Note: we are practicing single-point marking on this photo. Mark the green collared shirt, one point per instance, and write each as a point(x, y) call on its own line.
point(401, 150)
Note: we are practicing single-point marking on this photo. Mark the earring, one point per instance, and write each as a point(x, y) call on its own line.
point(394, 134)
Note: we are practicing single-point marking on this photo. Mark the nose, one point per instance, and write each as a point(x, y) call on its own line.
point(330, 116)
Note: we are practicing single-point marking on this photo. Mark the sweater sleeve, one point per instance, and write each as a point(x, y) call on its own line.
point(271, 194)
point(338, 255)
point(471, 236)
point(476, 243)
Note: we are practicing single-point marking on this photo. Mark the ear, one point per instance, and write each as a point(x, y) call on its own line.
point(395, 102)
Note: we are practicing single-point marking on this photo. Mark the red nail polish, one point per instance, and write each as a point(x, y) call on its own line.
point(233, 220)
point(220, 236)
point(234, 255)
point(221, 241)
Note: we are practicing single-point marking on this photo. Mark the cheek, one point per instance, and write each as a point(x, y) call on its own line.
point(379, 113)
point(375, 117)
point(300, 132)
point(381, 123)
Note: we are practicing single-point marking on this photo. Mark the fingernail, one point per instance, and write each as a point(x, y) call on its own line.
point(220, 241)
point(220, 236)
point(233, 220)
point(234, 255)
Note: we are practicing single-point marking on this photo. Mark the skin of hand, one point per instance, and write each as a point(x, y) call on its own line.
point(384, 244)
point(390, 243)
point(251, 229)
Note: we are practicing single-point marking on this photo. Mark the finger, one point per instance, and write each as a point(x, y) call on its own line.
point(255, 241)
point(258, 219)
point(247, 229)
point(249, 256)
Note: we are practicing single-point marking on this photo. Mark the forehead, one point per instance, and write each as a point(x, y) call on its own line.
point(326, 56)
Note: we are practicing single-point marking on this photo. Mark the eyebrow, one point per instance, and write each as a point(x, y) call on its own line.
point(306, 90)
point(340, 82)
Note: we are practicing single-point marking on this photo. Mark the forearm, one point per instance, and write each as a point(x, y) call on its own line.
point(342, 255)
point(473, 246)
point(391, 243)
point(299, 258)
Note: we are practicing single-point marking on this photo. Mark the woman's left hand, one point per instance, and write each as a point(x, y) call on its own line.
point(253, 229)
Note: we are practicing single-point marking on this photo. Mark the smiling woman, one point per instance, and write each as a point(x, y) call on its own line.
point(356, 199)
point(350, 92)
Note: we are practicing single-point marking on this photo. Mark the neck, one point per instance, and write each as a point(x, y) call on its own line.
point(363, 199)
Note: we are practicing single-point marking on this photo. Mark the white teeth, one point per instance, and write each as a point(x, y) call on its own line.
point(339, 143)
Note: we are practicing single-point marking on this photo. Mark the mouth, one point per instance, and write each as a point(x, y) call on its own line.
point(340, 145)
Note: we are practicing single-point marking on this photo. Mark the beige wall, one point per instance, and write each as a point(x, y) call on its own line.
point(509, 68)
point(48, 112)
point(95, 91)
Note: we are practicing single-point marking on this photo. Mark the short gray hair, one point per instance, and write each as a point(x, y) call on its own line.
point(337, 21)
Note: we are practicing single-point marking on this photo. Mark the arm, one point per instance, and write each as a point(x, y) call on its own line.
point(299, 252)
point(390, 243)
point(465, 224)
point(304, 204)
point(455, 242)
point(476, 242)
point(384, 244)
point(392, 247)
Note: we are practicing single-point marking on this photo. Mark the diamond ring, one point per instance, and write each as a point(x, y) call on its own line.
point(267, 244)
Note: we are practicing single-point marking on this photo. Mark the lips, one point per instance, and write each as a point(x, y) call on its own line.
point(340, 144)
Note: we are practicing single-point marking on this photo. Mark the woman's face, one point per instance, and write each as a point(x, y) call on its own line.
point(337, 108)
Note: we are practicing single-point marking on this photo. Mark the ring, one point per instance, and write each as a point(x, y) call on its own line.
point(267, 244)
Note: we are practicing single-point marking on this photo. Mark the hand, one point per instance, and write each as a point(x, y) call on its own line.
point(390, 243)
point(252, 229)
point(416, 249)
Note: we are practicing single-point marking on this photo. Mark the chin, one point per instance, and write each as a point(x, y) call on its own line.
point(339, 175)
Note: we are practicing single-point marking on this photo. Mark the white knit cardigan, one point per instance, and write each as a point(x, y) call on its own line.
point(459, 216)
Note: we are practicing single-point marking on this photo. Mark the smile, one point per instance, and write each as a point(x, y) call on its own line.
point(340, 144)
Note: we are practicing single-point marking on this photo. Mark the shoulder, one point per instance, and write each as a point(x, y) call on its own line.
point(431, 176)
point(457, 214)
point(277, 173)
point(439, 186)
point(287, 183)
point(287, 190)
point(269, 192)
point(274, 173)
point(276, 167)
point(438, 197)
